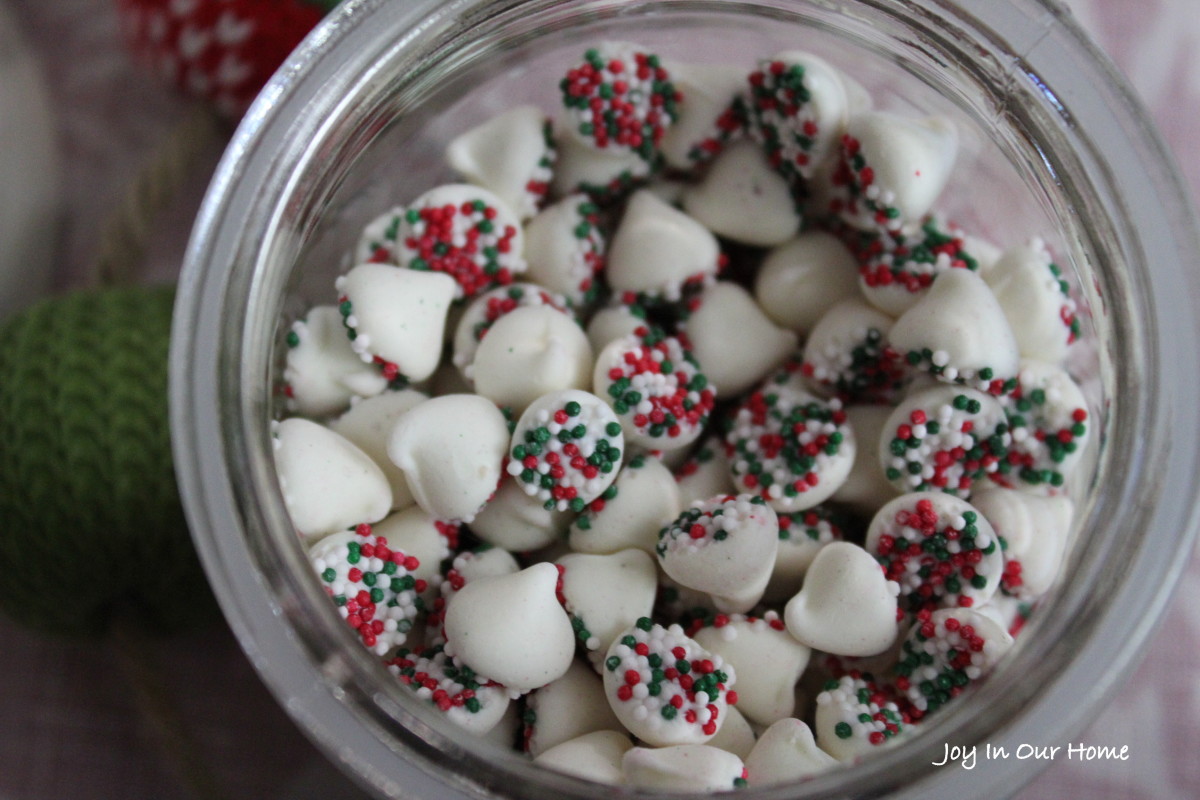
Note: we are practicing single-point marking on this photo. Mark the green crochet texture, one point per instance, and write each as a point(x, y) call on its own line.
point(90, 518)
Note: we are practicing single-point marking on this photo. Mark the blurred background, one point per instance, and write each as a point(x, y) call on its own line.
point(86, 117)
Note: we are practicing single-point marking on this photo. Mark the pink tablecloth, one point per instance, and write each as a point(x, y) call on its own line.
point(69, 727)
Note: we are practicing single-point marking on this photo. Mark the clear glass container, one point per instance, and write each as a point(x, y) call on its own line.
point(1054, 144)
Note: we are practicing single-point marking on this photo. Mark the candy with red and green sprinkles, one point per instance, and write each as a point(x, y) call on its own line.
point(565, 246)
point(465, 232)
point(896, 268)
point(943, 438)
point(471, 702)
point(958, 332)
point(490, 306)
point(566, 449)
point(847, 356)
point(377, 242)
point(944, 653)
point(1048, 416)
point(620, 99)
point(790, 448)
point(797, 110)
point(1034, 531)
point(664, 687)
point(855, 715)
point(891, 169)
point(940, 550)
point(1036, 296)
point(712, 112)
point(656, 387)
point(724, 546)
point(371, 584)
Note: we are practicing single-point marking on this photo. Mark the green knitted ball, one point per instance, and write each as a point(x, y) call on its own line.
point(90, 519)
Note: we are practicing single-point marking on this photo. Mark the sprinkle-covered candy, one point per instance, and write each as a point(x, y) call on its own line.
point(566, 449)
point(664, 687)
point(656, 387)
point(789, 448)
point(371, 584)
point(465, 232)
point(940, 549)
point(943, 654)
point(847, 356)
point(856, 715)
point(797, 109)
point(565, 246)
point(891, 169)
point(1049, 420)
point(958, 333)
point(490, 306)
point(896, 268)
point(619, 99)
point(469, 701)
point(1036, 297)
point(724, 546)
point(944, 438)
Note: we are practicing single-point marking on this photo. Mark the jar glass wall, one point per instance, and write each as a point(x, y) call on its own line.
point(356, 121)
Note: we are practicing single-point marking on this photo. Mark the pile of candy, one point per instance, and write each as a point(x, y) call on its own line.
point(682, 444)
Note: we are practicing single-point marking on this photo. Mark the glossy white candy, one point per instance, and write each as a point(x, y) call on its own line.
point(398, 315)
point(328, 484)
point(735, 342)
point(707, 91)
point(735, 736)
point(415, 532)
point(657, 247)
point(705, 475)
point(800, 279)
point(323, 373)
point(594, 756)
point(646, 499)
point(511, 628)
point(567, 708)
point(505, 155)
point(529, 352)
point(728, 555)
point(960, 322)
point(581, 168)
point(682, 768)
point(866, 488)
point(450, 449)
point(911, 160)
point(609, 324)
point(742, 199)
point(1031, 294)
point(847, 607)
point(517, 522)
point(1035, 529)
point(608, 593)
point(369, 423)
point(786, 752)
point(768, 662)
point(564, 248)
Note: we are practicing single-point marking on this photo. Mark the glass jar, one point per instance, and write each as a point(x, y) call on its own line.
point(355, 122)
